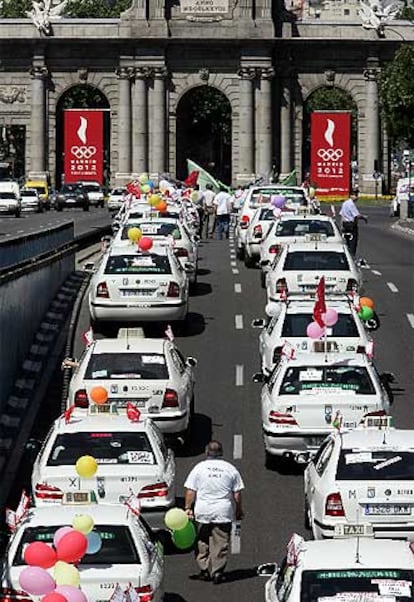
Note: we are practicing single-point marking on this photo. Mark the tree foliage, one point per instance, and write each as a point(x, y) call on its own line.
point(84, 96)
point(13, 9)
point(82, 9)
point(397, 95)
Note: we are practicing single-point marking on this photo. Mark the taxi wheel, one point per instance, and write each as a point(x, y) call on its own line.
point(248, 261)
point(270, 461)
point(307, 516)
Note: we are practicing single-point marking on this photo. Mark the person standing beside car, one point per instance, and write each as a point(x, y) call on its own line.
point(209, 211)
point(223, 207)
point(350, 217)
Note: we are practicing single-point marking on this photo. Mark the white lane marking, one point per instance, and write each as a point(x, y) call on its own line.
point(233, 263)
point(410, 318)
point(20, 231)
point(237, 287)
point(376, 272)
point(238, 319)
point(235, 271)
point(239, 375)
point(237, 447)
point(392, 287)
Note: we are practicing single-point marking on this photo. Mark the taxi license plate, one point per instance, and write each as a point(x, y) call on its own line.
point(138, 292)
point(387, 509)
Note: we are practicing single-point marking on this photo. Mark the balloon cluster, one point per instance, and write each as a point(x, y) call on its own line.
point(144, 242)
point(70, 544)
point(182, 529)
point(366, 308)
point(329, 319)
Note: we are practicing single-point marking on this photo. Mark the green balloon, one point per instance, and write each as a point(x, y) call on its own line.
point(366, 313)
point(185, 538)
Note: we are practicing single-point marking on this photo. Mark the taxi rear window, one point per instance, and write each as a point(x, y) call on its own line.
point(326, 379)
point(264, 195)
point(117, 545)
point(295, 325)
point(127, 365)
point(106, 447)
point(354, 585)
point(154, 229)
point(316, 261)
point(138, 264)
point(266, 214)
point(300, 227)
point(374, 465)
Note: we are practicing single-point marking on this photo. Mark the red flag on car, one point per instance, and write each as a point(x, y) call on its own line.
point(133, 413)
point(192, 178)
point(320, 305)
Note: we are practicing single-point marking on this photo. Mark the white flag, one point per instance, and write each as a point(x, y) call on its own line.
point(87, 336)
point(288, 350)
point(23, 507)
point(11, 519)
point(169, 333)
point(118, 595)
point(369, 349)
point(133, 503)
point(132, 594)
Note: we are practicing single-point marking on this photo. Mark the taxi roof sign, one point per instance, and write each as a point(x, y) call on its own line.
point(343, 530)
point(75, 498)
point(378, 422)
point(106, 408)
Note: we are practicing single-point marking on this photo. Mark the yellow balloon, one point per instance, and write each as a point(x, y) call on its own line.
point(83, 523)
point(134, 234)
point(154, 199)
point(143, 178)
point(194, 196)
point(66, 574)
point(86, 467)
point(146, 188)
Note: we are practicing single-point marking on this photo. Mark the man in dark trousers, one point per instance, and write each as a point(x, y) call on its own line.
point(213, 497)
point(350, 217)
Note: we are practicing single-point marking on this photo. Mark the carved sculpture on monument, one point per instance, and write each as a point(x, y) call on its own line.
point(375, 14)
point(44, 12)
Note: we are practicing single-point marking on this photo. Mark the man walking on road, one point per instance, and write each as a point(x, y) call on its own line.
point(213, 496)
point(209, 211)
point(350, 217)
point(223, 205)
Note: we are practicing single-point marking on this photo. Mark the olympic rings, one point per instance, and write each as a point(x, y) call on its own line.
point(83, 152)
point(330, 154)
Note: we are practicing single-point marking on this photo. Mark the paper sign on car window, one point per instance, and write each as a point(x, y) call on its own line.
point(388, 587)
point(153, 359)
point(143, 262)
point(140, 457)
point(358, 458)
point(100, 374)
point(311, 374)
point(149, 228)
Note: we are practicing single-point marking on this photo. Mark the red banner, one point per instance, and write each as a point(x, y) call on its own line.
point(331, 153)
point(83, 145)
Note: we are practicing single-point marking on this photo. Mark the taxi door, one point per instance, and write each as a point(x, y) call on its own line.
point(183, 378)
point(314, 495)
point(155, 555)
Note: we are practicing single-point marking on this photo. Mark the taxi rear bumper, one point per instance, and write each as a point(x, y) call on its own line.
point(291, 445)
point(146, 312)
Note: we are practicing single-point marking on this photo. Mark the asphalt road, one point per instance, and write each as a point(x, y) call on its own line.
point(227, 402)
point(30, 222)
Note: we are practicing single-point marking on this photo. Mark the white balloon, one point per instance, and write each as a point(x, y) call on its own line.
point(273, 309)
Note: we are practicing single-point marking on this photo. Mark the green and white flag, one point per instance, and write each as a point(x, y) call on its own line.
point(203, 176)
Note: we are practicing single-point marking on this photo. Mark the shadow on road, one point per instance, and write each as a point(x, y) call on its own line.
point(201, 434)
point(200, 289)
point(203, 271)
point(169, 597)
point(284, 467)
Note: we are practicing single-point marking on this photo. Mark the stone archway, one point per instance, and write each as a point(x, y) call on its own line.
point(328, 98)
point(82, 96)
point(204, 132)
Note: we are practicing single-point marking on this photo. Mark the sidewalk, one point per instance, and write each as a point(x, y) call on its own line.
point(404, 225)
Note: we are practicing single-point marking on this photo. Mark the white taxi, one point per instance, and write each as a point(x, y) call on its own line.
point(165, 232)
point(131, 457)
point(259, 225)
point(306, 397)
point(130, 554)
point(258, 196)
point(290, 324)
point(130, 285)
point(116, 199)
point(350, 570)
point(150, 373)
point(289, 229)
point(299, 267)
point(365, 478)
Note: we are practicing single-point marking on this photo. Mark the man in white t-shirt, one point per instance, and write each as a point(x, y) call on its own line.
point(223, 204)
point(213, 496)
point(209, 211)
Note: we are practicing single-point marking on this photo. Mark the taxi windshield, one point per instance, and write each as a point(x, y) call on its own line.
point(153, 229)
point(138, 264)
point(108, 448)
point(326, 379)
point(356, 585)
point(261, 196)
point(300, 227)
point(374, 465)
point(295, 325)
point(117, 545)
point(127, 365)
point(316, 261)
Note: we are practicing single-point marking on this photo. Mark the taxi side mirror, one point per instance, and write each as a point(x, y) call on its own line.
point(387, 378)
point(268, 569)
point(189, 267)
point(259, 377)
point(191, 361)
point(258, 323)
point(89, 266)
point(264, 262)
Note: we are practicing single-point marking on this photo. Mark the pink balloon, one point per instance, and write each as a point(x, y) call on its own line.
point(36, 581)
point(60, 533)
point(330, 317)
point(71, 593)
point(314, 331)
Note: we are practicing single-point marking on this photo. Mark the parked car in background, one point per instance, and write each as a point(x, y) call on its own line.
point(116, 199)
point(94, 191)
point(72, 195)
point(10, 198)
point(30, 200)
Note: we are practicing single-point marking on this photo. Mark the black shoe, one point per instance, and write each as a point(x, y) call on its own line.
point(218, 578)
point(201, 576)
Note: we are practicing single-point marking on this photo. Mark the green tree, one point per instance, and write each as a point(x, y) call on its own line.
point(397, 95)
point(15, 8)
point(96, 9)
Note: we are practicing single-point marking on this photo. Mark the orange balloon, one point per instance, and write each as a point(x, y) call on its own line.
point(161, 207)
point(366, 302)
point(99, 395)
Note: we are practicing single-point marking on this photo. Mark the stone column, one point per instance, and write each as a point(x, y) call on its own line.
point(246, 124)
point(285, 127)
point(38, 119)
point(124, 121)
point(140, 121)
point(372, 146)
point(158, 121)
point(265, 122)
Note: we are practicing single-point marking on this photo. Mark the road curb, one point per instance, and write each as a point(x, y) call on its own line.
point(405, 229)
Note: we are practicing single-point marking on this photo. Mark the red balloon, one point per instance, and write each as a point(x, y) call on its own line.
point(54, 597)
point(145, 243)
point(40, 554)
point(72, 547)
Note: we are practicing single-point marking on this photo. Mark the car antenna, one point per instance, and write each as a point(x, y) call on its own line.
point(384, 439)
point(127, 340)
point(357, 554)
